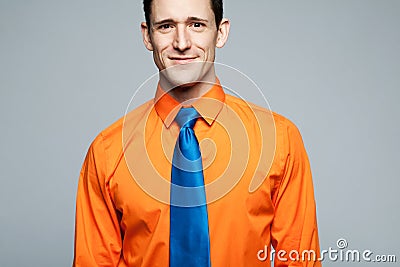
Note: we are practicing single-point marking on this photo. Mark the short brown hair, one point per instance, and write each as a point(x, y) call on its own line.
point(216, 6)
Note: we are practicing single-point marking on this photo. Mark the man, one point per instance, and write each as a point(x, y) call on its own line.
point(142, 198)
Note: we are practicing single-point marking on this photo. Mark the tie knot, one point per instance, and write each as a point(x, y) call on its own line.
point(187, 117)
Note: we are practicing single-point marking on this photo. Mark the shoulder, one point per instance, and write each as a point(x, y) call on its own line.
point(289, 142)
point(108, 144)
point(113, 132)
point(282, 123)
point(285, 125)
point(285, 132)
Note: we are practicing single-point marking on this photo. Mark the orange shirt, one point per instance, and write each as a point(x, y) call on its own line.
point(258, 186)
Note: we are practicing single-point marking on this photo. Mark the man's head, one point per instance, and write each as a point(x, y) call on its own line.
point(216, 6)
point(184, 31)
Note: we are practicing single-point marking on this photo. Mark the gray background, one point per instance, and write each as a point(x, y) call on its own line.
point(69, 68)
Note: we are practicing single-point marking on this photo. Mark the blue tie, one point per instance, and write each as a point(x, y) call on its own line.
point(189, 238)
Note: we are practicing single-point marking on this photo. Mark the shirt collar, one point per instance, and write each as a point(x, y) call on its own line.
point(209, 105)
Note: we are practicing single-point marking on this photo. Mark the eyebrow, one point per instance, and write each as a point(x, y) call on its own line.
point(172, 21)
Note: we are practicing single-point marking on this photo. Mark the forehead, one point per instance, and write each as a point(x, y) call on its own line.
point(181, 9)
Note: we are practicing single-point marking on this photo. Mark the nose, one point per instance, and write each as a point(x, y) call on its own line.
point(182, 38)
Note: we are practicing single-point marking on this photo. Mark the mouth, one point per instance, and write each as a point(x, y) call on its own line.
point(182, 60)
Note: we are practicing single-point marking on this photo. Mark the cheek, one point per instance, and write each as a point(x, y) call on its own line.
point(208, 50)
point(160, 44)
point(206, 43)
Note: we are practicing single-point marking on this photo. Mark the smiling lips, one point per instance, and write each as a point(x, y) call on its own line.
point(182, 60)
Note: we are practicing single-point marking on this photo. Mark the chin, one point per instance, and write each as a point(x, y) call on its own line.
point(183, 75)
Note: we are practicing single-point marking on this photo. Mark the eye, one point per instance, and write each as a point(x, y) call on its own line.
point(198, 26)
point(164, 28)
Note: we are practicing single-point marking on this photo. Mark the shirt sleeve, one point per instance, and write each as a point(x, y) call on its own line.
point(294, 232)
point(98, 239)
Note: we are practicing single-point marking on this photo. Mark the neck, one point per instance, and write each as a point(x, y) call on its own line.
point(187, 92)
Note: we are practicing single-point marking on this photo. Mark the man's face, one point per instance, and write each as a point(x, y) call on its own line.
point(183, 32)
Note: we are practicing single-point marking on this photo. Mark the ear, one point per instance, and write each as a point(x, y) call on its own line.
point(146, 36)
point(223, 32)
